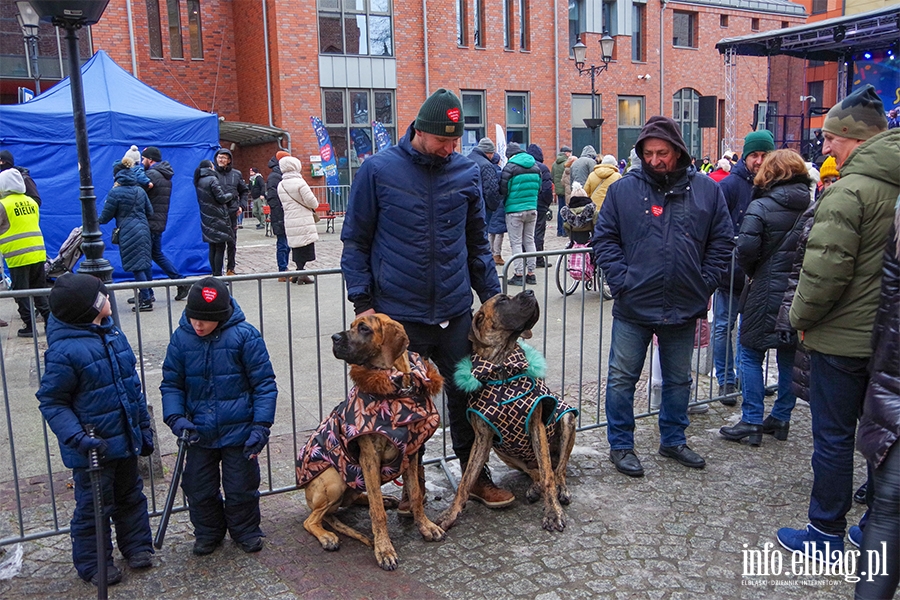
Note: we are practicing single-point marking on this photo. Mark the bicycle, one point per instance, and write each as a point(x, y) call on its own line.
point(573, 269)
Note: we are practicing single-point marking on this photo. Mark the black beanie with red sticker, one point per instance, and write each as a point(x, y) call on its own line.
point(209, 300)
point(441, 114)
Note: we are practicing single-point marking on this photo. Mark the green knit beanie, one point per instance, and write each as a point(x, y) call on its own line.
point(758, 141)
point(859, 116)
point(441, 114)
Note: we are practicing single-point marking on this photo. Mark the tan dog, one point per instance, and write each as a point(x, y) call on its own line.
point(372, 437)
point(504, 380)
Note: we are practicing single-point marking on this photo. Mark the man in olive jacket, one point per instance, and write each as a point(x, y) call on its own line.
point(836, 301)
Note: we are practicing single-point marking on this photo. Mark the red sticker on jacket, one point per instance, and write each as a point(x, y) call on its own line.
point(656, 210)
point(453, 114)
point(209, 294)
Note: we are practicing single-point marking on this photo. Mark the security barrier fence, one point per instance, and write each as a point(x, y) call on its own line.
point(297, 322)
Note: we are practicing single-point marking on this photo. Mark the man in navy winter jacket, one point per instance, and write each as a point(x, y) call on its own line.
point(663, 239)
point(415, 247)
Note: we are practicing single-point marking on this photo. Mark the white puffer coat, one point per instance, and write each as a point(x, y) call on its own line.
point(299, 204)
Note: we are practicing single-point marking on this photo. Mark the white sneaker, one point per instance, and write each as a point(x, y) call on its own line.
point(698, 409)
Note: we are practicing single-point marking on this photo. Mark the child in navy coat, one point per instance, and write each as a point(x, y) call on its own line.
point(219, 387)
point(90, 379)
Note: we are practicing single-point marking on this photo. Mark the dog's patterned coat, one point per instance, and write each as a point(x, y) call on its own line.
point(505, 396)
point(408, 418)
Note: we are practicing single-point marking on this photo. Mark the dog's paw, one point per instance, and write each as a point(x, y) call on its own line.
point(553, 520)
point(562, 494)
point(330, 541)
point(386, 558)
point(447, 520)
point(533, 494)
point(431, 532)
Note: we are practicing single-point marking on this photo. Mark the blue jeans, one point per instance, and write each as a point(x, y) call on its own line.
point(144, 275)
point(160, 258)
point(753, 385)
point(837, 386)
point(725, 312)
point(627, 353)
point(282, 252)
point(560, 202)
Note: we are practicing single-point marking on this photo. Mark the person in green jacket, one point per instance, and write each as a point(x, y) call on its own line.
point(520, 182)
point(559, 187)
point(835, 304)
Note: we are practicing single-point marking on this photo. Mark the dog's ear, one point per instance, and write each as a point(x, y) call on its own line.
point(394, 345)
point(475, 331)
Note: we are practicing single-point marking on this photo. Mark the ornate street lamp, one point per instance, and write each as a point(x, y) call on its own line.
point(30, 21)
point(72, 15)
point(607, 47)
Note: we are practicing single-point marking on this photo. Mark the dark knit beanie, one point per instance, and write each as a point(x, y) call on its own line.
point(512, 149)
point(6, 157)
point(77, 298)
point(859, 116)
point(759, 141)
point(153, 153)
point(209, 300)
point(441, 114)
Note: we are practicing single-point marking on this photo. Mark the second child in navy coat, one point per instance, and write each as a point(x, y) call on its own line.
point(219, 391)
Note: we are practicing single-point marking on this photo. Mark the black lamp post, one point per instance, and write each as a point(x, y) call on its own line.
point(607, 47)
point(30, 21)
point(72, 15)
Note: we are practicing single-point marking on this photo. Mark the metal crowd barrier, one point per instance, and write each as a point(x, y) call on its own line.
point(296, 322)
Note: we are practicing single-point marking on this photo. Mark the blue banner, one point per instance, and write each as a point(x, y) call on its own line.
point(382, 137)
point(326, 152)
point(362, 144)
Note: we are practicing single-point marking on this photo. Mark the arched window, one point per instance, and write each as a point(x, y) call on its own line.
point(686, 112)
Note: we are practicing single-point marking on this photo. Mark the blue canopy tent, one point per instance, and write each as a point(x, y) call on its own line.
point(120, 111)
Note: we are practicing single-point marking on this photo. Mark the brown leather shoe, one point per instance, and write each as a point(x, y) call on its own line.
point(282, 279)
point(304, 280)
point(498, 260)
point(229, 272)
point(485, 491)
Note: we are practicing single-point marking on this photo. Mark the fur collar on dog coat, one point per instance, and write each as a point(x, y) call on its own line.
point(506, 395)
point(406, 416)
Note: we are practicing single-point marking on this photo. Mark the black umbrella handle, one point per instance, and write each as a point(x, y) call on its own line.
point(100, 530)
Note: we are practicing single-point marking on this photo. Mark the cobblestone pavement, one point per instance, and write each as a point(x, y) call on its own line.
point(676, 533)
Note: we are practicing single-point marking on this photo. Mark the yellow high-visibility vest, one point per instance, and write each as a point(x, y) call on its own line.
point(22, 244)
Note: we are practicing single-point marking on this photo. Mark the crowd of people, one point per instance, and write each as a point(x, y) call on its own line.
point(799, 259)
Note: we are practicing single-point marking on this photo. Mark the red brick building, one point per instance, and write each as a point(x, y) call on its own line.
point(278, 62)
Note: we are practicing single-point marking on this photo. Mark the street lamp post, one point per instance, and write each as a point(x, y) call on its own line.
point(30, 21)
point(72, 15)
point(607, 47)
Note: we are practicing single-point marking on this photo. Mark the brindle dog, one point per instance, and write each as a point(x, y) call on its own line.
point(496, 328)
point(376, 347)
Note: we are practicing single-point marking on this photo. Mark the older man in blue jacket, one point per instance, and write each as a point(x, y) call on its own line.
point(663, 238)
point(415, 247)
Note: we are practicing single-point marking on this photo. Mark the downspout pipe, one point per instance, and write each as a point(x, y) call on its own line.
point(265, 22)
point(425, 47)
point(556, 68)
point(134, 71)
point(662, 34)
